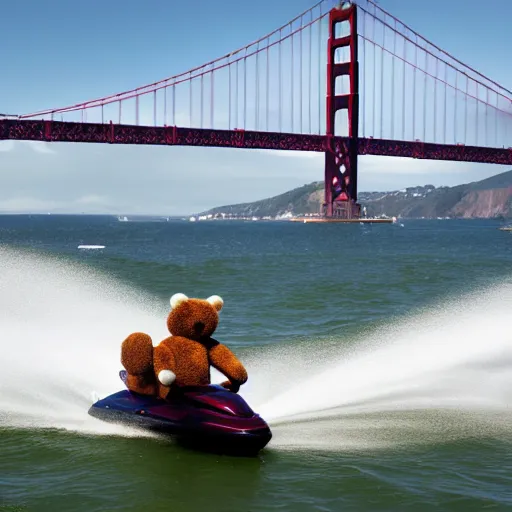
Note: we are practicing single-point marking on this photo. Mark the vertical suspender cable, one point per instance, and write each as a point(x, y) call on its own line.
point(212, 97)
point(267, 90)
point(309, 69)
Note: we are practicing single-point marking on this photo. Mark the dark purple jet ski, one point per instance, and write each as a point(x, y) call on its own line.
point(211, 417)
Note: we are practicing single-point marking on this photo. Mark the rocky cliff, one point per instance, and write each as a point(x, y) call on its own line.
point(484, 204)
point(488, 198)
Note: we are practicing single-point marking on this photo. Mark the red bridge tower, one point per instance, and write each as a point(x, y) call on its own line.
point(341, 158)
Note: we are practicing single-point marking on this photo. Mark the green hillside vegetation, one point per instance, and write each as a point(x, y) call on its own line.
point(304, 199)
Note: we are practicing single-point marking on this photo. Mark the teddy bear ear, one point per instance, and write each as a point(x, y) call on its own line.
point(177, 299)
point(216, 302)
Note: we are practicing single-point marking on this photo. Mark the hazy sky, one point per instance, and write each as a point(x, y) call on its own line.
point(62, 52)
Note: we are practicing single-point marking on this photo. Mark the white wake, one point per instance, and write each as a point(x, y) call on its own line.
point(442, 374)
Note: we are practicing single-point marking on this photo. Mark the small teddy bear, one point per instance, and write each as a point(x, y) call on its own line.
point(184, 358)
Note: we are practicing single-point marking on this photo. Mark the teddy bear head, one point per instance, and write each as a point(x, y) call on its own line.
point(193, 318)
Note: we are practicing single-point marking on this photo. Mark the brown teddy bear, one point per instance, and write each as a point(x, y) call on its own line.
point(184, 358)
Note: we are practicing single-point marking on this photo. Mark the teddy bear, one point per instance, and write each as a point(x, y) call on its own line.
point(184, 358)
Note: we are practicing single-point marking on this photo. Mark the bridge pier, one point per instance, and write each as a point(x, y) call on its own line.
point(341, 159)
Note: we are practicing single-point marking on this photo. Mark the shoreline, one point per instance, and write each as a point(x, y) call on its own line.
point(324, 220)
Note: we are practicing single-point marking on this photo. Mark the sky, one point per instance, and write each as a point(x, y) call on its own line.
point(63, 52)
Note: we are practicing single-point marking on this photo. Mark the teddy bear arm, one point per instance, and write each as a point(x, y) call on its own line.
point(223, 360)
point(165, 365)
point(137, 353)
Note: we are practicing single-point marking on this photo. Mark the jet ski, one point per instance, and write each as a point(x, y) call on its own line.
point(209, 418)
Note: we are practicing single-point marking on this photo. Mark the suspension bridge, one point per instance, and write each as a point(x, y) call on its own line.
point(345, 80)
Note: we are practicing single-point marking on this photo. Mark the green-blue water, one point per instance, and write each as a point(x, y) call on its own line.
point(401, 380)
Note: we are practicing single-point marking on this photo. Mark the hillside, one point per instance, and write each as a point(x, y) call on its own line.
point(305, 199)
point(487, 198)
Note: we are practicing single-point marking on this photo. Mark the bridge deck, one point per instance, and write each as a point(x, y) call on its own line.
point(59, 131)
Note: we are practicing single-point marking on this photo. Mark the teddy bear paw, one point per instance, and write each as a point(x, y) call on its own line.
point(166, 377)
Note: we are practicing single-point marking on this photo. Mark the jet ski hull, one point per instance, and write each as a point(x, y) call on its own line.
point(209, 418)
